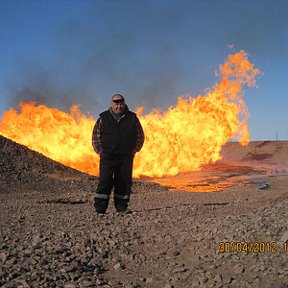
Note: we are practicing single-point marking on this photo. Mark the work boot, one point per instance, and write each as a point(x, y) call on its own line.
point(124, 212)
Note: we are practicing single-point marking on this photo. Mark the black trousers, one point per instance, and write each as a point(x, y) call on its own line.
point(115, 171)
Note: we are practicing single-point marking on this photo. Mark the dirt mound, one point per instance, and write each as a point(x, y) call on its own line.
point(24, 169)
point(16, 158)
point(264, 151)
point(51, 237)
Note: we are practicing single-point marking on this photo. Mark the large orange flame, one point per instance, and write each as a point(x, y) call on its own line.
point(181, 139)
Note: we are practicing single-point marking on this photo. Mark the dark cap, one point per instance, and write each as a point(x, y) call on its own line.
point(118, 100)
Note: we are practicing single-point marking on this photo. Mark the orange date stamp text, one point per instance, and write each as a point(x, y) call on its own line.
point(252, 247)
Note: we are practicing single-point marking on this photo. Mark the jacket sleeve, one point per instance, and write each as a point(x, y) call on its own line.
point(96, 136)
point(139, 137)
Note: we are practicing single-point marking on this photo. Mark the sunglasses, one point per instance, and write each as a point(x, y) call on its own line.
point(118, 101)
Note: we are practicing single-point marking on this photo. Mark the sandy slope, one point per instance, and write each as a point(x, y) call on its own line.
point(260, 153)
point(50, 236)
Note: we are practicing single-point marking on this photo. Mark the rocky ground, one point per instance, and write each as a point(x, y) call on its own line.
point(51, 237)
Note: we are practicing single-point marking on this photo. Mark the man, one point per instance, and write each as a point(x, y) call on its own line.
point(117, 136)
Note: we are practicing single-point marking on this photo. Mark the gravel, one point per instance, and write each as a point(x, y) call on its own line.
point(50, 235)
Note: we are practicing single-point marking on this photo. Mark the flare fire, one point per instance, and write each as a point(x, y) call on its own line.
point(178, 140)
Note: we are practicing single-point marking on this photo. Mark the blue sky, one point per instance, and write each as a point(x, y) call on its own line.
point(60, 52)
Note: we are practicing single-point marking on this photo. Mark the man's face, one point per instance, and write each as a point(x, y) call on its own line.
point(118, 105)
